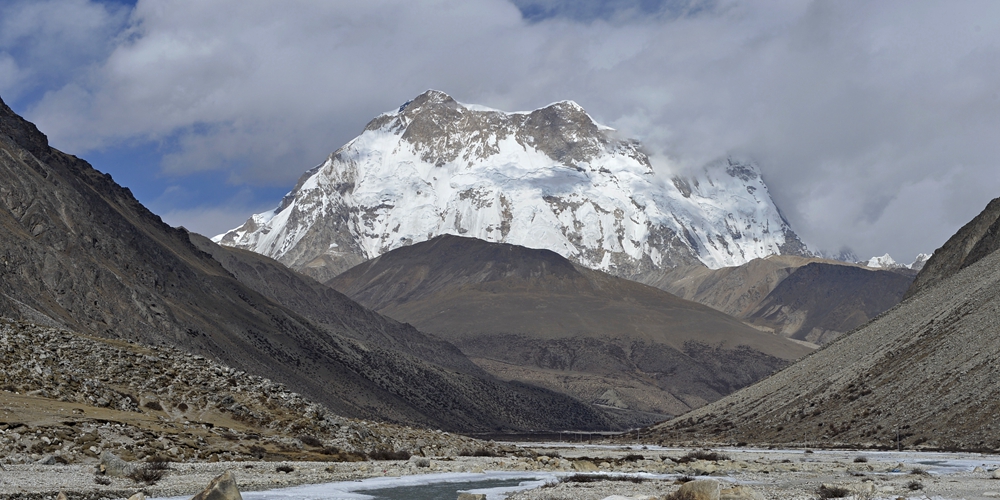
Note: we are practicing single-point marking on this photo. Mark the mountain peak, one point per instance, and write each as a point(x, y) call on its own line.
point(550, 178)
point(883, 262)
point(431, 99)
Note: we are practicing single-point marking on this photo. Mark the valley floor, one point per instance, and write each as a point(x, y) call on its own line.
point(774, 474)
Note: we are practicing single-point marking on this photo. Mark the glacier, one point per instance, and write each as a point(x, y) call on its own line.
point(551, 178)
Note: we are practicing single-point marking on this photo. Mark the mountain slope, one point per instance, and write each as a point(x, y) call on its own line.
point(79, 252)
point(926, 368)
point(331, 309)
point(60, 390)
point(975, 240)
point(532, 315)
point(551, 178)
point(814, 300)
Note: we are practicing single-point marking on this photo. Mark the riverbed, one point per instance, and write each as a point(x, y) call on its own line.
point(542, 472)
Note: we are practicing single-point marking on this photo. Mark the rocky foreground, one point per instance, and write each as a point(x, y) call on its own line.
point(577, 473)
point(67, 398)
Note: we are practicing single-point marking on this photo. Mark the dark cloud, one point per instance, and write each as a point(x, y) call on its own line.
point(875, 123)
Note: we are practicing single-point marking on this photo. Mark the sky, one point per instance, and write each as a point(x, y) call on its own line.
point(876, 124)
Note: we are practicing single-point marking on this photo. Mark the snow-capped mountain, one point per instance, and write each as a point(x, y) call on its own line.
point(883, 262)
point(887, 262)
point(551, 178)
point(918, 263)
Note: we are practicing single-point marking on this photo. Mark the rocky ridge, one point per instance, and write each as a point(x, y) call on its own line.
point(551, 178)
point(975, 240)
point(919, 376)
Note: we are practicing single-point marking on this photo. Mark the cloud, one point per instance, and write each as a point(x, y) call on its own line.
point(54, 40)
point(207, 217)
point(874, 123)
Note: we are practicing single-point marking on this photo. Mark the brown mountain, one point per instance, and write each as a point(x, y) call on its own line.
point(926, 369)
point(79, 252)
point(813, 300)
point(533, 316)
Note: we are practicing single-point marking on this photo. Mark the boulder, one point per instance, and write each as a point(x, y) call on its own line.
point(138, 496)
point(702, 489)
point(221, 488)
point(995, 474)
point(113, 466)
point(61, 496)
point(47, 460)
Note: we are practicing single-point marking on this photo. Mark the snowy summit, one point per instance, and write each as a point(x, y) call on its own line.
point(551, 178)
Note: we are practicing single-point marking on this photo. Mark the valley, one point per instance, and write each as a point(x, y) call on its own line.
point(299, 341)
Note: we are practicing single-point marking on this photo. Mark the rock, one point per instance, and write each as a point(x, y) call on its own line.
point(138, 496)
point(61, 496)
point(620, 497)
point(471, 496)
point(47, 460)
point(113, 466)
point(740, 492)
point(702, 489)
point(584, 466)
point(995, 474)
point(221, 488)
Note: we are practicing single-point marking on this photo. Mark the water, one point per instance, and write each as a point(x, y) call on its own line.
point(439, 491)
point(441, 486)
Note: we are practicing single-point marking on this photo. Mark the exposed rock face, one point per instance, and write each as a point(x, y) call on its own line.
point(813, 300)
point(78, 251)
point(550, 178)
point(975, 240)
point(533, 316)
point(925, 369)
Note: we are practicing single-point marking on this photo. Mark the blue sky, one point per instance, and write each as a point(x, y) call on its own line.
point(875, 123)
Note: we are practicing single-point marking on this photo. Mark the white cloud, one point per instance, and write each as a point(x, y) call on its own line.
point(55, 40)
point(859, 112)
point(211, 217)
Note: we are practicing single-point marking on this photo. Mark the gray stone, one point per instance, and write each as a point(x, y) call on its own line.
point(471, 496)
point(221, 488)
point(47, 460)
point(113, 466)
